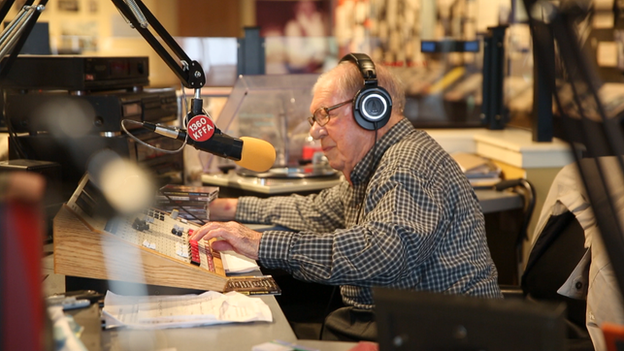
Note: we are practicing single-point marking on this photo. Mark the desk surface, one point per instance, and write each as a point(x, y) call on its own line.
point(498, 201)
point(235, 336)
point(269, 186)
point(490, 199)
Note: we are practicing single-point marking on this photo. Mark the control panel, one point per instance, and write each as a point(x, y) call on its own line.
point(166, 234)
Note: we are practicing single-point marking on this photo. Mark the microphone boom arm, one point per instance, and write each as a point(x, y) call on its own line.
point(192, 76)
point(14, 35)
point(188, 71)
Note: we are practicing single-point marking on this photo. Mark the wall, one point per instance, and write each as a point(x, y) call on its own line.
point(96, 28)
point(214, 18)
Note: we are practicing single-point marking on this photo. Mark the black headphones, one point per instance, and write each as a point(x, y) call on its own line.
point(372, 105)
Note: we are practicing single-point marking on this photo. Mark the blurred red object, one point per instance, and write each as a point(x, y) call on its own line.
point(365, 346)
point(614, 336)
point(22, 308)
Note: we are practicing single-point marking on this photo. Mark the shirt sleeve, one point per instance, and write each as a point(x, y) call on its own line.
point(323, 212)
point(394, 237)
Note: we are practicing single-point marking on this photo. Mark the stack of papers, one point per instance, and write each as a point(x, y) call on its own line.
point(237, 263)
point(480, 171)
point(158, 312)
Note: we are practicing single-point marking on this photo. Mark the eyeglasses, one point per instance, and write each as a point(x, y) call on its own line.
point(321, 115)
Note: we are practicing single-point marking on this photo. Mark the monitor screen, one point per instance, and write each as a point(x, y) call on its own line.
point(410, 320)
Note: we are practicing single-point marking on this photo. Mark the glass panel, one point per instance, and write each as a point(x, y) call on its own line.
point(269, 107)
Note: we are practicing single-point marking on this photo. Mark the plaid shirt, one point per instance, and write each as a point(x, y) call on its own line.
point(421, 227)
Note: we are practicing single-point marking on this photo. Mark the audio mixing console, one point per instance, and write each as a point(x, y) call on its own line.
point(87, 231)
point(161, 232)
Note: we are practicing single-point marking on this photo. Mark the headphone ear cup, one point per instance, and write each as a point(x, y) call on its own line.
point(372, 108)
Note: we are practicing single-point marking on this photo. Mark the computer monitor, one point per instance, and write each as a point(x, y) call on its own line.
point(410, 320)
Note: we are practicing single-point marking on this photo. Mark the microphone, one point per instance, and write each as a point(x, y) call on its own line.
point(251, 153)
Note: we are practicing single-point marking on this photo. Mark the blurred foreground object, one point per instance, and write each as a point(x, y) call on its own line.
point(23, 187)
point(21, 232)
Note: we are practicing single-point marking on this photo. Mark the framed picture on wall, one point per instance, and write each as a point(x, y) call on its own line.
point(293, 17)
point(296, 34)
point(68, 5)
point(93, 6)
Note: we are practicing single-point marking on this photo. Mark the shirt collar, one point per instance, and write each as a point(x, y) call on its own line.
point(366, 167)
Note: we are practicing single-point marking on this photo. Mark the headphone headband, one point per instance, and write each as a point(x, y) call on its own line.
point(365, 65)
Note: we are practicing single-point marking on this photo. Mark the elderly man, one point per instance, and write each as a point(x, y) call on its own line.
point(405, 216)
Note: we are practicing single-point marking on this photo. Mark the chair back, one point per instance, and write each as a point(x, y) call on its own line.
point(556, 252)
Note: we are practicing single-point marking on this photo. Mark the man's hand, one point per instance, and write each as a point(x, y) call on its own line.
point(223, 209)
point(235, 237)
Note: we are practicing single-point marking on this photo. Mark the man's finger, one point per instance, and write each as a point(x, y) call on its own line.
point(205, 230)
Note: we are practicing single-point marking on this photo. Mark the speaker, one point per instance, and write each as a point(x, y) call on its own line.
point(372, 105)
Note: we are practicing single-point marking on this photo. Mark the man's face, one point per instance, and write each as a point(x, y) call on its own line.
point(344, 143)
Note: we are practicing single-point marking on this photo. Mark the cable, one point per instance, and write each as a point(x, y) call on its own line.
point(123, 126)
point(11, 131)
point(529, 205)
point(14, 138)
point(184, 125)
